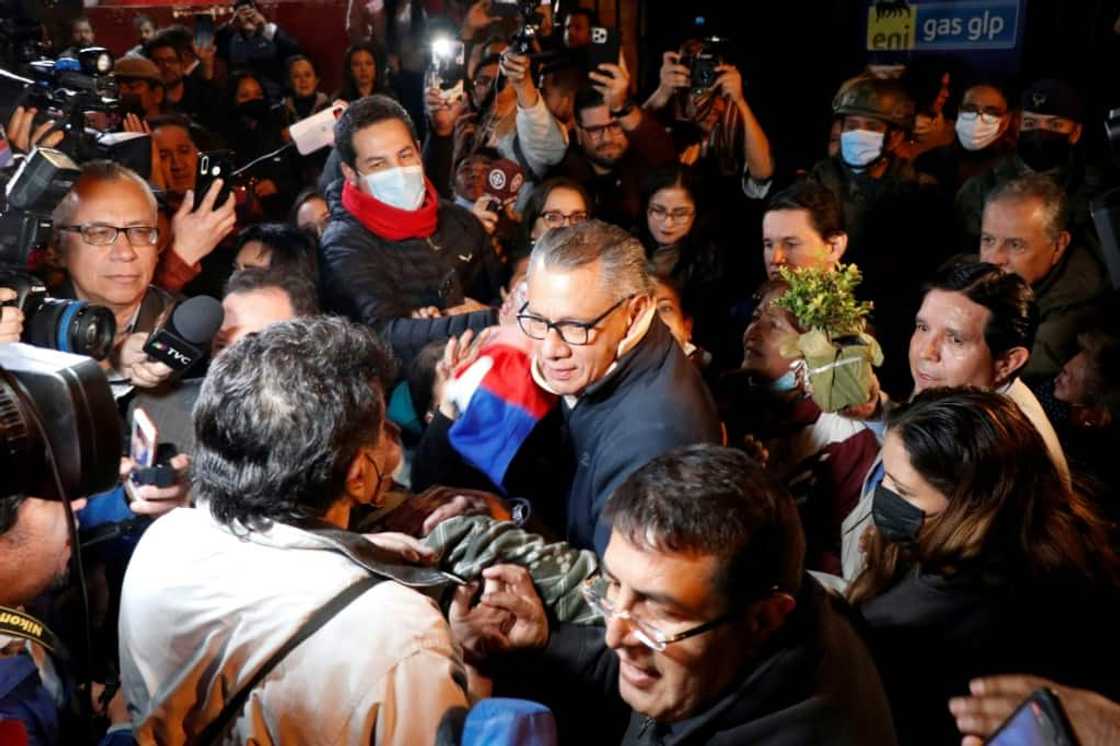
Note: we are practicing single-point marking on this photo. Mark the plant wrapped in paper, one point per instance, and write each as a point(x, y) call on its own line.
point(837, 350)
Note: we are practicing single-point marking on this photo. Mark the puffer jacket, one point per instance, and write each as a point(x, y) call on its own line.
point(379, 282)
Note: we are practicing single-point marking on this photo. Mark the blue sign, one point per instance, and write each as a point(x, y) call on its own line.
point(939, 26)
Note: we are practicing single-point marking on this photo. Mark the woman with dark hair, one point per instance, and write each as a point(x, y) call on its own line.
point(363, 72)
point(255, 129)
point(310, 212)
point(982, 561)
point(556, 203)
point(677, 248)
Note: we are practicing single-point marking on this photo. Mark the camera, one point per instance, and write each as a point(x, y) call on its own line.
point(57, 414)
point(529, 13)
point(65, 91)
point(65, 325)
point(703, 61)
point(32, 193)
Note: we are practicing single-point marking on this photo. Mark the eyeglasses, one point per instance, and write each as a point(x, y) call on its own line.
point(557, 219)
point(572, 332)
point(679, 215)
point(596, 591)
point(987, 115)
point(99, 234)
point(599, 130)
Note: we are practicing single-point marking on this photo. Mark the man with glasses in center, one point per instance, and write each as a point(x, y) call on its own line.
point(714, 632)
point(627, 391)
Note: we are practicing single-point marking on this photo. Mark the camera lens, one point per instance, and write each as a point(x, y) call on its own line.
point(72, 326)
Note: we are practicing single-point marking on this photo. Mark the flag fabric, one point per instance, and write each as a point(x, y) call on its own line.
point(499, 403)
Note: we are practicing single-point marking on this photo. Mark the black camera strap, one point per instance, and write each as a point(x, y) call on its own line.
point(26, 627)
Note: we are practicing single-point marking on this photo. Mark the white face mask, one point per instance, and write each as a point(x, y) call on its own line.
point(860, 148)
point(401, 187)
point(974, 133)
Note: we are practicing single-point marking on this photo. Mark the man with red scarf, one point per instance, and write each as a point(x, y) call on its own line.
point(394, 255)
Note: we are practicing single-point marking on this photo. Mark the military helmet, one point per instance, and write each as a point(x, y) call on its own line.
point(884, 99)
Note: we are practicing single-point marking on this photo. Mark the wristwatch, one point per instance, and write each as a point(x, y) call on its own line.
point(628, 107)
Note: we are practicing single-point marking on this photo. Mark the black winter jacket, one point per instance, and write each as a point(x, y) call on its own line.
point(813, 683)
point(380, 282)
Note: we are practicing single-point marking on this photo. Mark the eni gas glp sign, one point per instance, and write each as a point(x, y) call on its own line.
point(935, 26)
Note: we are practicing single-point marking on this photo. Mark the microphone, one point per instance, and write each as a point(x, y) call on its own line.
point(185, 335)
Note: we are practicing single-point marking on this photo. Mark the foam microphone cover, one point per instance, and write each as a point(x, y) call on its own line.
point(186, 334)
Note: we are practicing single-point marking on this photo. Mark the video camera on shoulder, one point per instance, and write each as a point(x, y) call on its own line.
point(81, 96)
point(702, 59)
point(32, 193)
point(60, 434)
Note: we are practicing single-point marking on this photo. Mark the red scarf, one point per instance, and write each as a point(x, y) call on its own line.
point(392, 223)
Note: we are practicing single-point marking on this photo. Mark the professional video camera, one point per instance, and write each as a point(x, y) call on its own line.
point(32, 193)
point(702, 61)
point(57, 418)
point(72, 92)
point(529, 13)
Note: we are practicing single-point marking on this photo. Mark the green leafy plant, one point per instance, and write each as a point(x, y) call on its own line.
point(825, 301)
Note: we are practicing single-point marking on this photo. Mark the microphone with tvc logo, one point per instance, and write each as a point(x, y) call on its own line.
point(186, 334)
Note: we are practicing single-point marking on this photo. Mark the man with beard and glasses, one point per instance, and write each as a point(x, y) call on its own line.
point(616, 144)
point(1050, 138)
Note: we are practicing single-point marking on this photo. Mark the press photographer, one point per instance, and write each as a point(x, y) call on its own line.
point(49, 464)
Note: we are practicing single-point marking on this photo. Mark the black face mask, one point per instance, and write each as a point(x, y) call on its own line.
point(1043, 150)
point(256, 109)
point(898, 520)
point(131, 104)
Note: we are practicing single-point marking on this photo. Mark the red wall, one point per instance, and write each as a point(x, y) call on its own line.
point(318, 25)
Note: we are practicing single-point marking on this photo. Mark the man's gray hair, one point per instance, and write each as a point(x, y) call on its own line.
point(622, 256)
point(1055, 205)
point(94, 172)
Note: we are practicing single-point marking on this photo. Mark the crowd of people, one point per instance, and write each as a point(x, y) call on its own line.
point(504, 417)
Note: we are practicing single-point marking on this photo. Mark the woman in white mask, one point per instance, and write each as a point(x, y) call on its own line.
point(983, 130)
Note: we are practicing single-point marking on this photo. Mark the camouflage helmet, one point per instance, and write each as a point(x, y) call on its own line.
point(886, 100)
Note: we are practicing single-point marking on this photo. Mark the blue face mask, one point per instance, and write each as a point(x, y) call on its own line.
point(860, 148)
point(787, 382)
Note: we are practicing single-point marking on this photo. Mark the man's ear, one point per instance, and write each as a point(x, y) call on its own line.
point(837, 245)
point(1060, 247)
point(359, 477)
point(637, 306)
point(349, 174)
point(768, 615)
point(1010, 362)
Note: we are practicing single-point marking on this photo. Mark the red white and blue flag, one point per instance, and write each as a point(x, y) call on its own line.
point(499, 404)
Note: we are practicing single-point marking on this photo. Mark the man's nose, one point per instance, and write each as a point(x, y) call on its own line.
point(554, 346)
point(122, 249)
point(930, 348)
